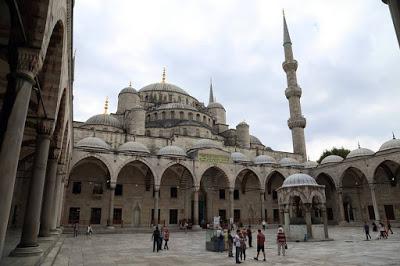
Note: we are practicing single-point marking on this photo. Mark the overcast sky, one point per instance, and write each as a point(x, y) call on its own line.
point(349, 62)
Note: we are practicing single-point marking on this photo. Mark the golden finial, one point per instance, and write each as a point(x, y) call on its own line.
point(106, 106)
point(163, 76)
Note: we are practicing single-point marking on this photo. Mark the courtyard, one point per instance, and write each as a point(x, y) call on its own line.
point(348, 248)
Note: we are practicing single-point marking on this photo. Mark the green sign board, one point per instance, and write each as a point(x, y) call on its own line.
point(213, 158)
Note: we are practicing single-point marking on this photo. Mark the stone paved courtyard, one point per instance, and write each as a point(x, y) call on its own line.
point(348, 248)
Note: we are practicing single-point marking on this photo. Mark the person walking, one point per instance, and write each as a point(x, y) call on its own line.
point(156, 239)
point(366, 230)
point(166, 238)
point(76, 229)
point(382, 231)
point(243, 240)
point(89, 230)
point(249, 236)
point(264, 225)
point(260, 244)
point(375, 229)
point(281, 241)
point(220, 240)
point(389, 227)
point(230, 244)
point(236, 242)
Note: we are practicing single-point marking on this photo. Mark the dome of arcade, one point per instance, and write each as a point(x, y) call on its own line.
point(297, 180)
point(332, 159)
point(310, 164)
point(255, 140)
point(133, 146)
point(93, 143)
point(359, 152)
point(161, 86)
point(215, 105)
point(204, 144)
point(264, 159)
point(390, 144)
point(239, 157)
point(104, 120)
point(289, 162)
point(176, 106)
point(128, 90)
point(171, 151)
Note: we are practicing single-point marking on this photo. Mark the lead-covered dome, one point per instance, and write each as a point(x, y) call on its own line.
point(176, 106)
point(93, 143)
point(215, 105)
point(390, 144)
point(104, 120)
point(332, 159)
point(205, 144)
point(239, 157)
point(296, 180)
point(161, 86)
point(264, 159)
point(359, 152)
point(129, 89)
point(134, 147)
point(310, 164)
point(289, 162)
point(255, 140)
point(171, 150)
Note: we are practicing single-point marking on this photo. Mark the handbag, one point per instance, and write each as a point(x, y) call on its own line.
point(285, 246)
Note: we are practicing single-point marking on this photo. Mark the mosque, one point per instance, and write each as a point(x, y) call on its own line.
point(163, 156)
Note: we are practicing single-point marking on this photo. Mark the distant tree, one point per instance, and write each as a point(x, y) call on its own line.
point(342, 152)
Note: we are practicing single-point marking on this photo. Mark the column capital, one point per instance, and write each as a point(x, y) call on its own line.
point(156, 188)
point(262, 192)
point(196, 188)
point(54, 153)
point(372, 186)
point(29, 62)
point(45, 127)
point(113, 185)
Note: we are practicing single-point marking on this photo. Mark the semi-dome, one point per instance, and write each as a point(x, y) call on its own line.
point(133, 146)
point(204, 144)
point(161, 86)
point(176, 106)
point(332, 159)
point(93, 143)
point(390, 144)
point(289, 162)
point(255, 140)
point(310, 164)
point(215, 105)
point(300, 179)
point(359, 152)
point(171, 151)
point(128, 90)
point(104, 120)
point(264, 159)
point(239, 157)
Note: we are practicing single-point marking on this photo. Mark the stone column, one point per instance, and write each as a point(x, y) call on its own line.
point(110, 220)
point(394, 7)
point(61, 202)
point(156, 205)
point(27, 68)
point(286, 217)
point(231, 204)
point(341, 209)
point(56, 200)
point(374, 202)
point(308, 220)
point(48, 194)
point(262, 195)
point(325, 219)
point(196, 208)
point(28, 244)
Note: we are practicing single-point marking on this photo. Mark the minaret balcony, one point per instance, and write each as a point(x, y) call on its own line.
point(290, 65)
point(293, 91)
point(296, 122)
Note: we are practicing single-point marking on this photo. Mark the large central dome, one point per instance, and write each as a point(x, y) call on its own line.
point(161, 86)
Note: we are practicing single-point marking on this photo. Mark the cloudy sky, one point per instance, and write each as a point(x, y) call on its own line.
point(347, 52)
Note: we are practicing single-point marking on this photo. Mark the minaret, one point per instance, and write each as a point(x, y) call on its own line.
point(211, 99)
point(296, 122)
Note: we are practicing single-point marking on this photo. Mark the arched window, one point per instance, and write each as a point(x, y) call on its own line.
point(148, 118)
point(187, 101)
point(204, 119)
point(172, 114)
point(190, 116)
point(198, 117)
point(155, 116)
point(179, 99)
point(181, 115)
point(170, 97)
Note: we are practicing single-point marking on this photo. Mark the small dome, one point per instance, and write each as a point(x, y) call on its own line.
point(205, 143)
point(243, 123)
point(310, 164)
point(289, 162)
point(176, 106)
point(128, 90)
point(163, 87)
point(133, 146)
point(296, 180)
point(255, 140)
point(239, 157)
point(93, 143)
point(332, 159)
point(359, 152)
point(104, 120)
point(264, 159)
point(171, 151)
point(390, 144)
point(215, 105)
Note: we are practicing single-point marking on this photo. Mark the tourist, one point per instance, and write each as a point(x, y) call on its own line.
point(382, 230)
point(389, 227)
point(166, 238)
point(260, 244)
point(230, 244)
point(366, 229)
point(375, 229)
point(89, 230)
point(243, 246)
point(236, 241)
point(264, 225)
point(156, 239)
point(220, 239)
point(249, 236)
point(76, 229)
point(281, 241)
point(186, 226)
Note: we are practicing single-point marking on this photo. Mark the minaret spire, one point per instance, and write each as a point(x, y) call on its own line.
point(296, 122)
point(163, 76)
point(211, 99)
point(106, 106)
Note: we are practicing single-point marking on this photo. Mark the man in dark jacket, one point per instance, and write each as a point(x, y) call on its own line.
point(249, 236)
point(156, 239)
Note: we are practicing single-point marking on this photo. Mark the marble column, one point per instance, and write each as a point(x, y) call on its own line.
point(196, 208)
point(61, 202)
point(394, 7)
point(231, 204)
point(374, 202)
point(56, 200)
point(262, 195)
point(110, 221)
point(156, 205)
point(325, 220)
point(341, 217)
point(27, 67)
point(286, 217)
point(28, 244)
point(308, 220)
point(48, 194)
